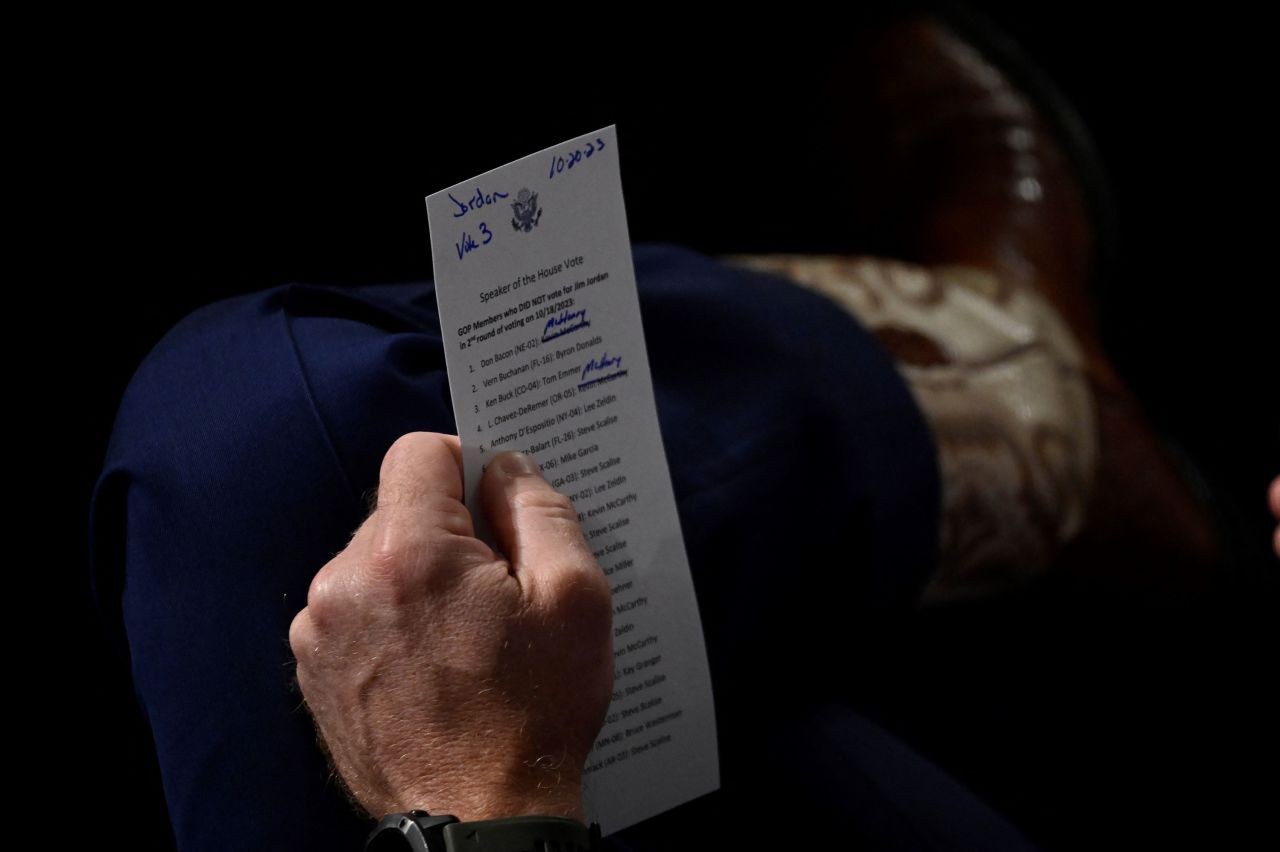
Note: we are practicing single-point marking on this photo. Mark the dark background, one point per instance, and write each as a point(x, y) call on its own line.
point(228, 168)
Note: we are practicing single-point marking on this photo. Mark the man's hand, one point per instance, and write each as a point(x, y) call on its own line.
point(443, 676)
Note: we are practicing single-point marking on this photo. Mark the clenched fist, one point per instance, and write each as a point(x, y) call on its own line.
point(448, 677)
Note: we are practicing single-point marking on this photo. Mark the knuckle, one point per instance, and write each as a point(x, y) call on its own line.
point(405, 559)
point(391, 561)
point(322, 594)
point(409, 450)
point(546, 503)
point(302, 636)
point(402, 450)
point(396, 538)
point(583, 592)
point(407, 537)
point(333, 591)
point(447, 514)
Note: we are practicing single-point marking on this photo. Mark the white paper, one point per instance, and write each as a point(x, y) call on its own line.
point(545, 352)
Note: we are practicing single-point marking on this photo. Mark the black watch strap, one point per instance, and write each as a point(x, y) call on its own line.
point(421, 832)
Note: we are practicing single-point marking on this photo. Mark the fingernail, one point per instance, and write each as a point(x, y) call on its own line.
point(517, 464)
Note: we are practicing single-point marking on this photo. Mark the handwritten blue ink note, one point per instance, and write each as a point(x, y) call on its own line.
point(567, 323)
point(546, 355)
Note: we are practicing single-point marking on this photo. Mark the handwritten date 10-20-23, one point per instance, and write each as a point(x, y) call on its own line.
point(569, 159)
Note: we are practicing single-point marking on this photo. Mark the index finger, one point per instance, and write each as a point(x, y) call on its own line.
point(420, 464)
point(418, 507)
point(421, 483)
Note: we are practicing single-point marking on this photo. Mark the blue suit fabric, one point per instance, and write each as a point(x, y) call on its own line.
point(245, 449)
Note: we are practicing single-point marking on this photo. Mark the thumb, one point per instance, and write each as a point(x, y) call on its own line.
point(534, 525)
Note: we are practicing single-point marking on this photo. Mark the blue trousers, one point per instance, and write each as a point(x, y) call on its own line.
point(247, 443)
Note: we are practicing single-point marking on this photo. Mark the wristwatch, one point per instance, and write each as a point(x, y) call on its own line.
point(419, 831)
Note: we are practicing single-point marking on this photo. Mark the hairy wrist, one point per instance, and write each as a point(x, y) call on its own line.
point(489, 802)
